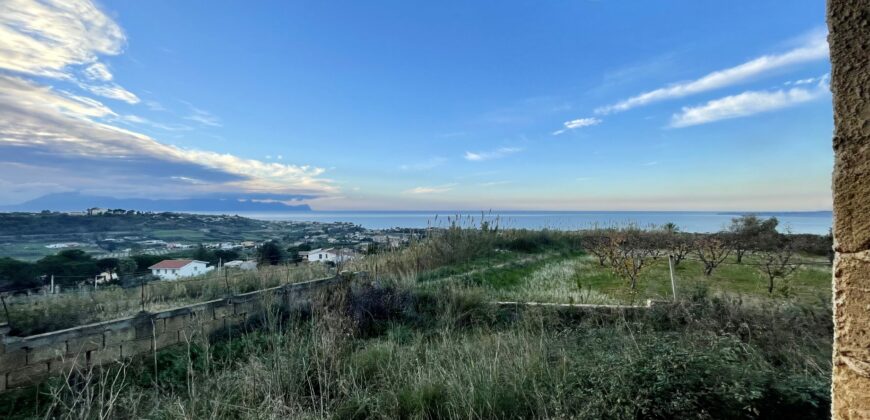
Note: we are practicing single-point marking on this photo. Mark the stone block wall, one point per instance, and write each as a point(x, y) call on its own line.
point(849, 42)
point(28, 360)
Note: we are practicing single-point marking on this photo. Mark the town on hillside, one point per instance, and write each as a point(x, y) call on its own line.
point(98, 245)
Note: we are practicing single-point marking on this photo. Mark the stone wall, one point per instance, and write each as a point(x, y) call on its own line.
point(849, 41)
point(29, 360)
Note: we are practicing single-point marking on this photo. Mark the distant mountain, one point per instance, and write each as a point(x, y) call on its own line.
point(73, 201)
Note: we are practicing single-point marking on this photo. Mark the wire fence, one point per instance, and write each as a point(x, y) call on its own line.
point(35, 310)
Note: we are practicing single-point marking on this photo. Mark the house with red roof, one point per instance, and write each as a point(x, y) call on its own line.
point(176, 269)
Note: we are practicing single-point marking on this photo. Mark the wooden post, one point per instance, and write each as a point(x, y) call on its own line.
point(673, 282)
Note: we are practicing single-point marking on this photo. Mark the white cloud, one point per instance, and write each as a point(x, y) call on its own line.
point(98, 71)
point(814, 49)
point(578, 123)
point(493, 154)
point(494, 183)
point(112, 91)
point(39, 121)
point(745, 104)
point(154, 105)
point(431, 190)
point(44, 38)
point(808, 81)
point(203, 117)
point(61, 39)
point(135, 119)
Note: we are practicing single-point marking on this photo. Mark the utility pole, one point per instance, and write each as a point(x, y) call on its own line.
point(673, 282)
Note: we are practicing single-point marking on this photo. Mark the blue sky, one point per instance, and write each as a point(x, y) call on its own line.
point(569, 105)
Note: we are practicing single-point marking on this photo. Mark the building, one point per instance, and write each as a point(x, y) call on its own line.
point(64, 245)
point(176, 269)
point(105, 277)
point(333, 255)
point(96, 211)
point(242, 265)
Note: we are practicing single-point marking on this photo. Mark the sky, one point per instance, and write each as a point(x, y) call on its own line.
point(397, 105)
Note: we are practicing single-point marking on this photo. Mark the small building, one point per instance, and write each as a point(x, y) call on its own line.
point(242, 265)
point(105, 277)
point(96, 211)
point(333, 255)
point(176, 269)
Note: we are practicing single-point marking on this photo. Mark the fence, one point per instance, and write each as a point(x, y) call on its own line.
point(39, 310)
point(29, 360)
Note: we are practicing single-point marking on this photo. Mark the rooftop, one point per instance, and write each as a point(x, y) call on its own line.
point(172, 264)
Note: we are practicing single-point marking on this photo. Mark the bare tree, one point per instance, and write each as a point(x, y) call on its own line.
point(776, 260)
point(679, 246)
point(656, 242)
point(597, 242)
point(712, 250)
point(629, 254)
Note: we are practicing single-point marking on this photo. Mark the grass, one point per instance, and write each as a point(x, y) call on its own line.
point(576, 278)
point(451, 355)
point(34, 314)
point(425, 341)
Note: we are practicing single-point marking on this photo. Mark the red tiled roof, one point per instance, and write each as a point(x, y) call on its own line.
point(170, 264)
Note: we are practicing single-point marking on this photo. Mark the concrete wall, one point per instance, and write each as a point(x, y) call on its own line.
point(29, 360)
point(849, 40)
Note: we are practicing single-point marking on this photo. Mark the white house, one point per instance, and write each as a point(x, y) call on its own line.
point(328, 255)
point(176, 269)
point(241, 265)
point(105, 277)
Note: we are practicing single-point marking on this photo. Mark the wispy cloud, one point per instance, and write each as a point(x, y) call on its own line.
point(72, 142)
point(112, 91)
point(135, 119)
point(62, 39)
point(203, 117)
point(578, 123)
point(814, 49)
point(46, 38)
point(494, 183)
point(154, 105)
point(431, 190)
point(98, 71)
point(746, 104)
point(493, 154)
point(808, 81)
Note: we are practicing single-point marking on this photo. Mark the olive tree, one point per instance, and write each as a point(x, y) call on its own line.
point(746, 232)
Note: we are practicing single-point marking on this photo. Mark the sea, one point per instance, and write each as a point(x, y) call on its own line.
point(816, 222)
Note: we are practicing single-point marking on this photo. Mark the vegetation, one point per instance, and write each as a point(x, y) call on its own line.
point(37, 313)
point(385, 351)
point(427, 339)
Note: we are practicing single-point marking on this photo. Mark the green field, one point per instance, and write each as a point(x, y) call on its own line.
point(423, 338)
point(576, 278)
